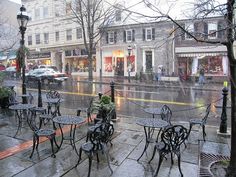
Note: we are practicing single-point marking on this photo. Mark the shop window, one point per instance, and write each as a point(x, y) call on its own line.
point(37, 38)
point(30, 40)
point(108, 64)
point(131, 63)
point(212, 65)
point(68, 53)
point(57, 36)
point(46, 38)
point(69, 34)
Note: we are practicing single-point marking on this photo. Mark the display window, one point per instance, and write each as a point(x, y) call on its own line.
point(131, 63)
point(108, 64)
point(211, 65)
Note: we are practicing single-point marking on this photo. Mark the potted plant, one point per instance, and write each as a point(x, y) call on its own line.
point(4, 96)
point(103, 106)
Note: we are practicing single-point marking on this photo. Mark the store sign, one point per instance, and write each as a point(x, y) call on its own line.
point(39, 55)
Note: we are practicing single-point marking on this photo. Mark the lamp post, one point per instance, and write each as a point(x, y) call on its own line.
point(128, 61)
point(22, 18)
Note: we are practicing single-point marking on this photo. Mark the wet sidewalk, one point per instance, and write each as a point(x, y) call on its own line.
point(128, 143)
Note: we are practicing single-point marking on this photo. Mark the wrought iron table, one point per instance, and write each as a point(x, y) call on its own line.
point(148, 125)
point(21, 113)
point(71, 120)
point(153, 111)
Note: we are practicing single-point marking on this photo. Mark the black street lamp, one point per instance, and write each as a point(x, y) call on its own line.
point(129, 69)
point(22, 18)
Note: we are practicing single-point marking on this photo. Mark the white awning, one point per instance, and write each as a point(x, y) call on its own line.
point(200, 55)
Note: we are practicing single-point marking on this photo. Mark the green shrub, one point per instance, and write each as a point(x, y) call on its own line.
point(4, 92)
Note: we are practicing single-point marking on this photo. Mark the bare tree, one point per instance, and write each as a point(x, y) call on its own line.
point(202, 10)
point(92, 16)
point(8, 33)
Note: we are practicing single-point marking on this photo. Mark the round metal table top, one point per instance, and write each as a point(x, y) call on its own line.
point(68, 120)
point(156, 111)
point(152, 122)
point(21, 106)
point(53, 100)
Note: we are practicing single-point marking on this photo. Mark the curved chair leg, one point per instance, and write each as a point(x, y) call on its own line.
point(179, 165)
point(153, 154)
point(108, 160)
point(53, 153)
point(90, 163)
point(37, 142)
point(80, 152)
point(159, 164)
point(190, 128)
point(34, 141)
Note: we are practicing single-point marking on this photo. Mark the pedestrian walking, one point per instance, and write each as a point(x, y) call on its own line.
point(201, 79)
point(67, 68)
point(158, 74)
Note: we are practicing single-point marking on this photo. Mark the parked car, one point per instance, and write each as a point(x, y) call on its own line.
point(47, 75)
point(2, 67)
point(46, 66)
point(11, 71)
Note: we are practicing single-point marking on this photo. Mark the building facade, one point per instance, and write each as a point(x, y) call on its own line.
point(54, 38)
point(151, 47)
point(192, 55)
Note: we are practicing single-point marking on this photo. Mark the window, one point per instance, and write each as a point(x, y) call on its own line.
point(79, 33)
point(212, 28)
point(118, 15)
point(190, 28)
point(37, 37)
point(128, 35)
point(45, 12)
point(148, 34)
point(111, 37)
point(37, 13)
point(57, 10)
point(69, 34)
point(29, 40)
point(57, 37)
point(68, 7)
point(46, 38)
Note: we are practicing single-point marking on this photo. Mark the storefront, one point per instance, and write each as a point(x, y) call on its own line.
point(77, 60)
point(214, 65)
point(118, 62)
point(40, 58)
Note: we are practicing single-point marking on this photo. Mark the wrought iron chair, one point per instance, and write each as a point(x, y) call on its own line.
point(98, 143)
point(12, 98)
point(53, 94)
point(88, 110)
point(38, 132)
point(171, 140)
point(45, 118)
point(200, 122)
point(166, 115)
point(106, 119)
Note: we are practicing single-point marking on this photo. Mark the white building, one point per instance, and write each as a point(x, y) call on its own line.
point(53, 37)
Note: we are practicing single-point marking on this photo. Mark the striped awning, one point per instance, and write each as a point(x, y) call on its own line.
point(201, 55)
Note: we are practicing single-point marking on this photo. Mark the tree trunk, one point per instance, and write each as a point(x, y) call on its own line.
point(231, 171)
point(90, 66)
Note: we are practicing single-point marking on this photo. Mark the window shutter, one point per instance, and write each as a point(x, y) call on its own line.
point(124, 36)
point(143, 34)
point(133, 35)
point(153, 33)
point(182, 33)
point(107, 38)
point(115, 36)
point(205, 30)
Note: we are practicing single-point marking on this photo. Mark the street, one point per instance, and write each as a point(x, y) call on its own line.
point(131, 100)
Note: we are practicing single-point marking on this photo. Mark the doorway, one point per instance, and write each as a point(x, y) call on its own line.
point(120, 66)
point(148, 61)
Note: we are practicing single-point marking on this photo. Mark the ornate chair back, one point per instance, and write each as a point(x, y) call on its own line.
point(166, 114)
point(53, 94)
